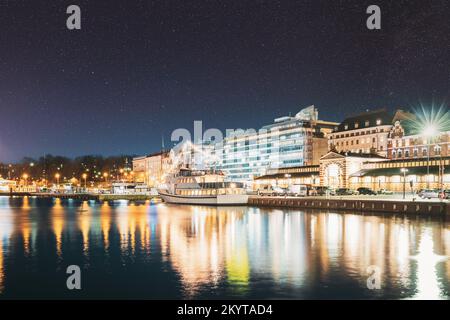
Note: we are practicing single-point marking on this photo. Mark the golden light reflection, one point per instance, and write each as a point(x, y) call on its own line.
point(236, 251)
point(6, 229)
point(57, 214)
point(84, 224)
point(195, 237)
point(134, 229)
point(105, 221)
point(209, 247)
point(427, 279)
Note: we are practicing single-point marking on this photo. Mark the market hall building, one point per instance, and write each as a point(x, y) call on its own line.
point(397, 157)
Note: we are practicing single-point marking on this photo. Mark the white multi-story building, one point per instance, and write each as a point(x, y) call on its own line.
point(288, 142)
point(151, 169)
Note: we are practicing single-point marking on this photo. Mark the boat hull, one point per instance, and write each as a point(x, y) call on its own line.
point(227, 199)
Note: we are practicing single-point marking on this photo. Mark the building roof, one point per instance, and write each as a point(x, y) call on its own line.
point(394, 171)
point(333, 154)
point(370, 116)
point(163, 152)
point(282, 175)
point(295, 172)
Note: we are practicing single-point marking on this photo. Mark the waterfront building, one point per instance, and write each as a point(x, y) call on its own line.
point(288, 142)
point(151, 169)
point(337, 168)
point(129, 188)
point(366, 132)
point(285, 177)
point(7, 185)
point(405, 142)
point(347, 170)
point(413, 174)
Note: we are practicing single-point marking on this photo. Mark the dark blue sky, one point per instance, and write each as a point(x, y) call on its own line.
point(139, 69)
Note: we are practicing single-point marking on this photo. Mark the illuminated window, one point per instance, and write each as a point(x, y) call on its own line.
point(378, 122)
point(367, 123)
point(437, 150)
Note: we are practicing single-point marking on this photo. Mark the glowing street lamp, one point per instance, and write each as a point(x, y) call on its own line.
point(429, 131)
point(84, 177)
point(57, 176)
point(25, 177)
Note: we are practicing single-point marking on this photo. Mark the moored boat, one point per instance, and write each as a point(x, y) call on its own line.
point(206, 187)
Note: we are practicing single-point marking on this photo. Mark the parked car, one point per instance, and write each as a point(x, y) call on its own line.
point(447, 194)
point(345, 192)
point(298, 190)
point(366, 191)
point(428, 193)
point(271, 191)
point(385, 191)
point(322, 191)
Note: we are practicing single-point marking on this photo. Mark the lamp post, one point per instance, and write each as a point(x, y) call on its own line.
point(121, 175)
point(25, 178)
point(429, 132)
point(404, 171)
point(84, 177)
point(57, 180)
point(288, 176)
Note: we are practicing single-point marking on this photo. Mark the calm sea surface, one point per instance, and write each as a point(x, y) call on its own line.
point(146, 251)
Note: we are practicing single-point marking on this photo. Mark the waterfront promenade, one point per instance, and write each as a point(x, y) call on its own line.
point(363, 204)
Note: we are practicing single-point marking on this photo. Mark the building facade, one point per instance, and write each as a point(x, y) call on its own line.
point(285, 177)
point(404, 144)
point(7, 185)
point(152, 168)
point(288, 142)
point(367, 132)
point(344, 170)
point(411, 174)
point(336, 169)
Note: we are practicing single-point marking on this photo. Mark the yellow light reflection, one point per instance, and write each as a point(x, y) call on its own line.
point(58, 224)
point(427, 279)
point(84, 224)
point(105, 221)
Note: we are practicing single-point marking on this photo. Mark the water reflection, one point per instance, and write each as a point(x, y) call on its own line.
point(427, 276)
point(57, 213)
point(222, 252)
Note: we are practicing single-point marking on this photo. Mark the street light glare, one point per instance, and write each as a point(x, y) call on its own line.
point(430, 130)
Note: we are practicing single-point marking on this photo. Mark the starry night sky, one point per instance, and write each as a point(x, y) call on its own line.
point(139, 69)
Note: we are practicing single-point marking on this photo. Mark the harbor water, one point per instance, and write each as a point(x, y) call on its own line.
point(146, 250)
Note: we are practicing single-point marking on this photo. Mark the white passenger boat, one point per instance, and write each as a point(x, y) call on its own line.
point(206, 187)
